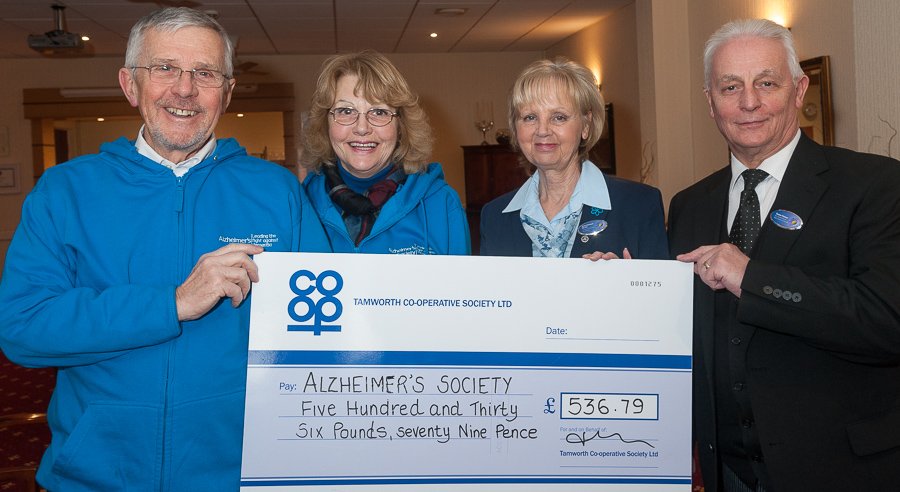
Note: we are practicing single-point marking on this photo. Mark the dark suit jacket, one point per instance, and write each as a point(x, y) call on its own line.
point(635, 221)
point(823, 302)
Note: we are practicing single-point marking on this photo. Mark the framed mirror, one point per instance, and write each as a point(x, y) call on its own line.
point(815, 118)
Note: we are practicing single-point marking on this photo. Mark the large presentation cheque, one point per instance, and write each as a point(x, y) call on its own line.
point(378, 372)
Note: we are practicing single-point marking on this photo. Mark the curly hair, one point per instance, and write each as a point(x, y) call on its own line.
point(379, 81)
point(575, 82)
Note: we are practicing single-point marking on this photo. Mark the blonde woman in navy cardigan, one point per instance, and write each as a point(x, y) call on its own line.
point(568, 207)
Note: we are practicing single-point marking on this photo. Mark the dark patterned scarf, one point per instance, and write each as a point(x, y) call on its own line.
point(359, 211)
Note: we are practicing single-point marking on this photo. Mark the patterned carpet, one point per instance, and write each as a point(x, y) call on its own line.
point(23, 392)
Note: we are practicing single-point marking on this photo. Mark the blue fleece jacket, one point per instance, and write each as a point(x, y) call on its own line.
point(143, 401)
point(425, 216)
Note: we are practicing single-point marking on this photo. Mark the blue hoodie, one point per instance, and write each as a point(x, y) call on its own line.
point(142, 401)
point(425, 216)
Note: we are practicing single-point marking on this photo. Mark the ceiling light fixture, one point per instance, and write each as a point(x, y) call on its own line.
point(450, 12)
point(433, 35)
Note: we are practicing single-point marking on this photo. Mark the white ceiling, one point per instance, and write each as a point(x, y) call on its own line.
point(321, 26)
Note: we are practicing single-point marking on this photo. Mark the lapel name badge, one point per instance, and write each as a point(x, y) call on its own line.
point(786, 219)
point(592, 227)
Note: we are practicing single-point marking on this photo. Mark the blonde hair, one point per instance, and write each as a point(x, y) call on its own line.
point(379, 81)
point(575, 81)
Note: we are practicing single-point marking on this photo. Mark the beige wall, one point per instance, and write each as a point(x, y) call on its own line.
point(665, 125)
point(86, 136)
point(608, 49)
point(877, 75)
point(649, 58)
point(640, 51)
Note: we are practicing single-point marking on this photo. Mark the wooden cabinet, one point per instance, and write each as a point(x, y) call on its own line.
point(491, 170)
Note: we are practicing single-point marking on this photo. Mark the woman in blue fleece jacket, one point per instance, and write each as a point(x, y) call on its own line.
point(366, 144)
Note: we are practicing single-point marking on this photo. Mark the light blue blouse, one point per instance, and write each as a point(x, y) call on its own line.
point(555, 237)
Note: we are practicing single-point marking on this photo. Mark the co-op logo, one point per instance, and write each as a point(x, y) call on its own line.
point(326, 309)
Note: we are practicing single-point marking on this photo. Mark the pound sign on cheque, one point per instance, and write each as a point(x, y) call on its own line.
point(548, 407)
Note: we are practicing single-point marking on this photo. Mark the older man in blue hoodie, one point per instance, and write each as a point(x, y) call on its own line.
point(130, 268)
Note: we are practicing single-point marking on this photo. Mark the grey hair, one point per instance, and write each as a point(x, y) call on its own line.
point(170, 20)
point(758, 28)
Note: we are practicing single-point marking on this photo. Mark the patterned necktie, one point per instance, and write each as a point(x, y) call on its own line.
point(746, 225)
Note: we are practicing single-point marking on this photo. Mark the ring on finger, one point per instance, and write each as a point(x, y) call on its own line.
point(706, 264)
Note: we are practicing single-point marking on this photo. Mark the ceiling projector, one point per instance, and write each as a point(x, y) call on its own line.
point(57, 41)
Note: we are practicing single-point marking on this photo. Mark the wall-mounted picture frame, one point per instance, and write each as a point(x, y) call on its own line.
point(9, 179)
point(815, 118)
point(603, 154)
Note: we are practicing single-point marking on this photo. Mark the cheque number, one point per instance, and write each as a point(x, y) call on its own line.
point(609, 406)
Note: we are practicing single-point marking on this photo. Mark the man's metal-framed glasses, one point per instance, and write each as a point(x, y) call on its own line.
point(170, 74)
point(375, 116)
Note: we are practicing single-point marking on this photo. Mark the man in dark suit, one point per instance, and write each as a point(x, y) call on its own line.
point(797, 293)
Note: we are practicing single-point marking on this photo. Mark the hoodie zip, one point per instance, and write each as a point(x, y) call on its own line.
point(178, 208)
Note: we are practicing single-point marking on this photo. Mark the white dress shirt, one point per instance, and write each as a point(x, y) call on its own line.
point(179, 168)
point(590, 190)
point(767, 190)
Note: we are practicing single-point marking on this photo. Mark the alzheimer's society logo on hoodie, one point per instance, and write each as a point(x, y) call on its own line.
point(264, 240)
point(316, 303)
